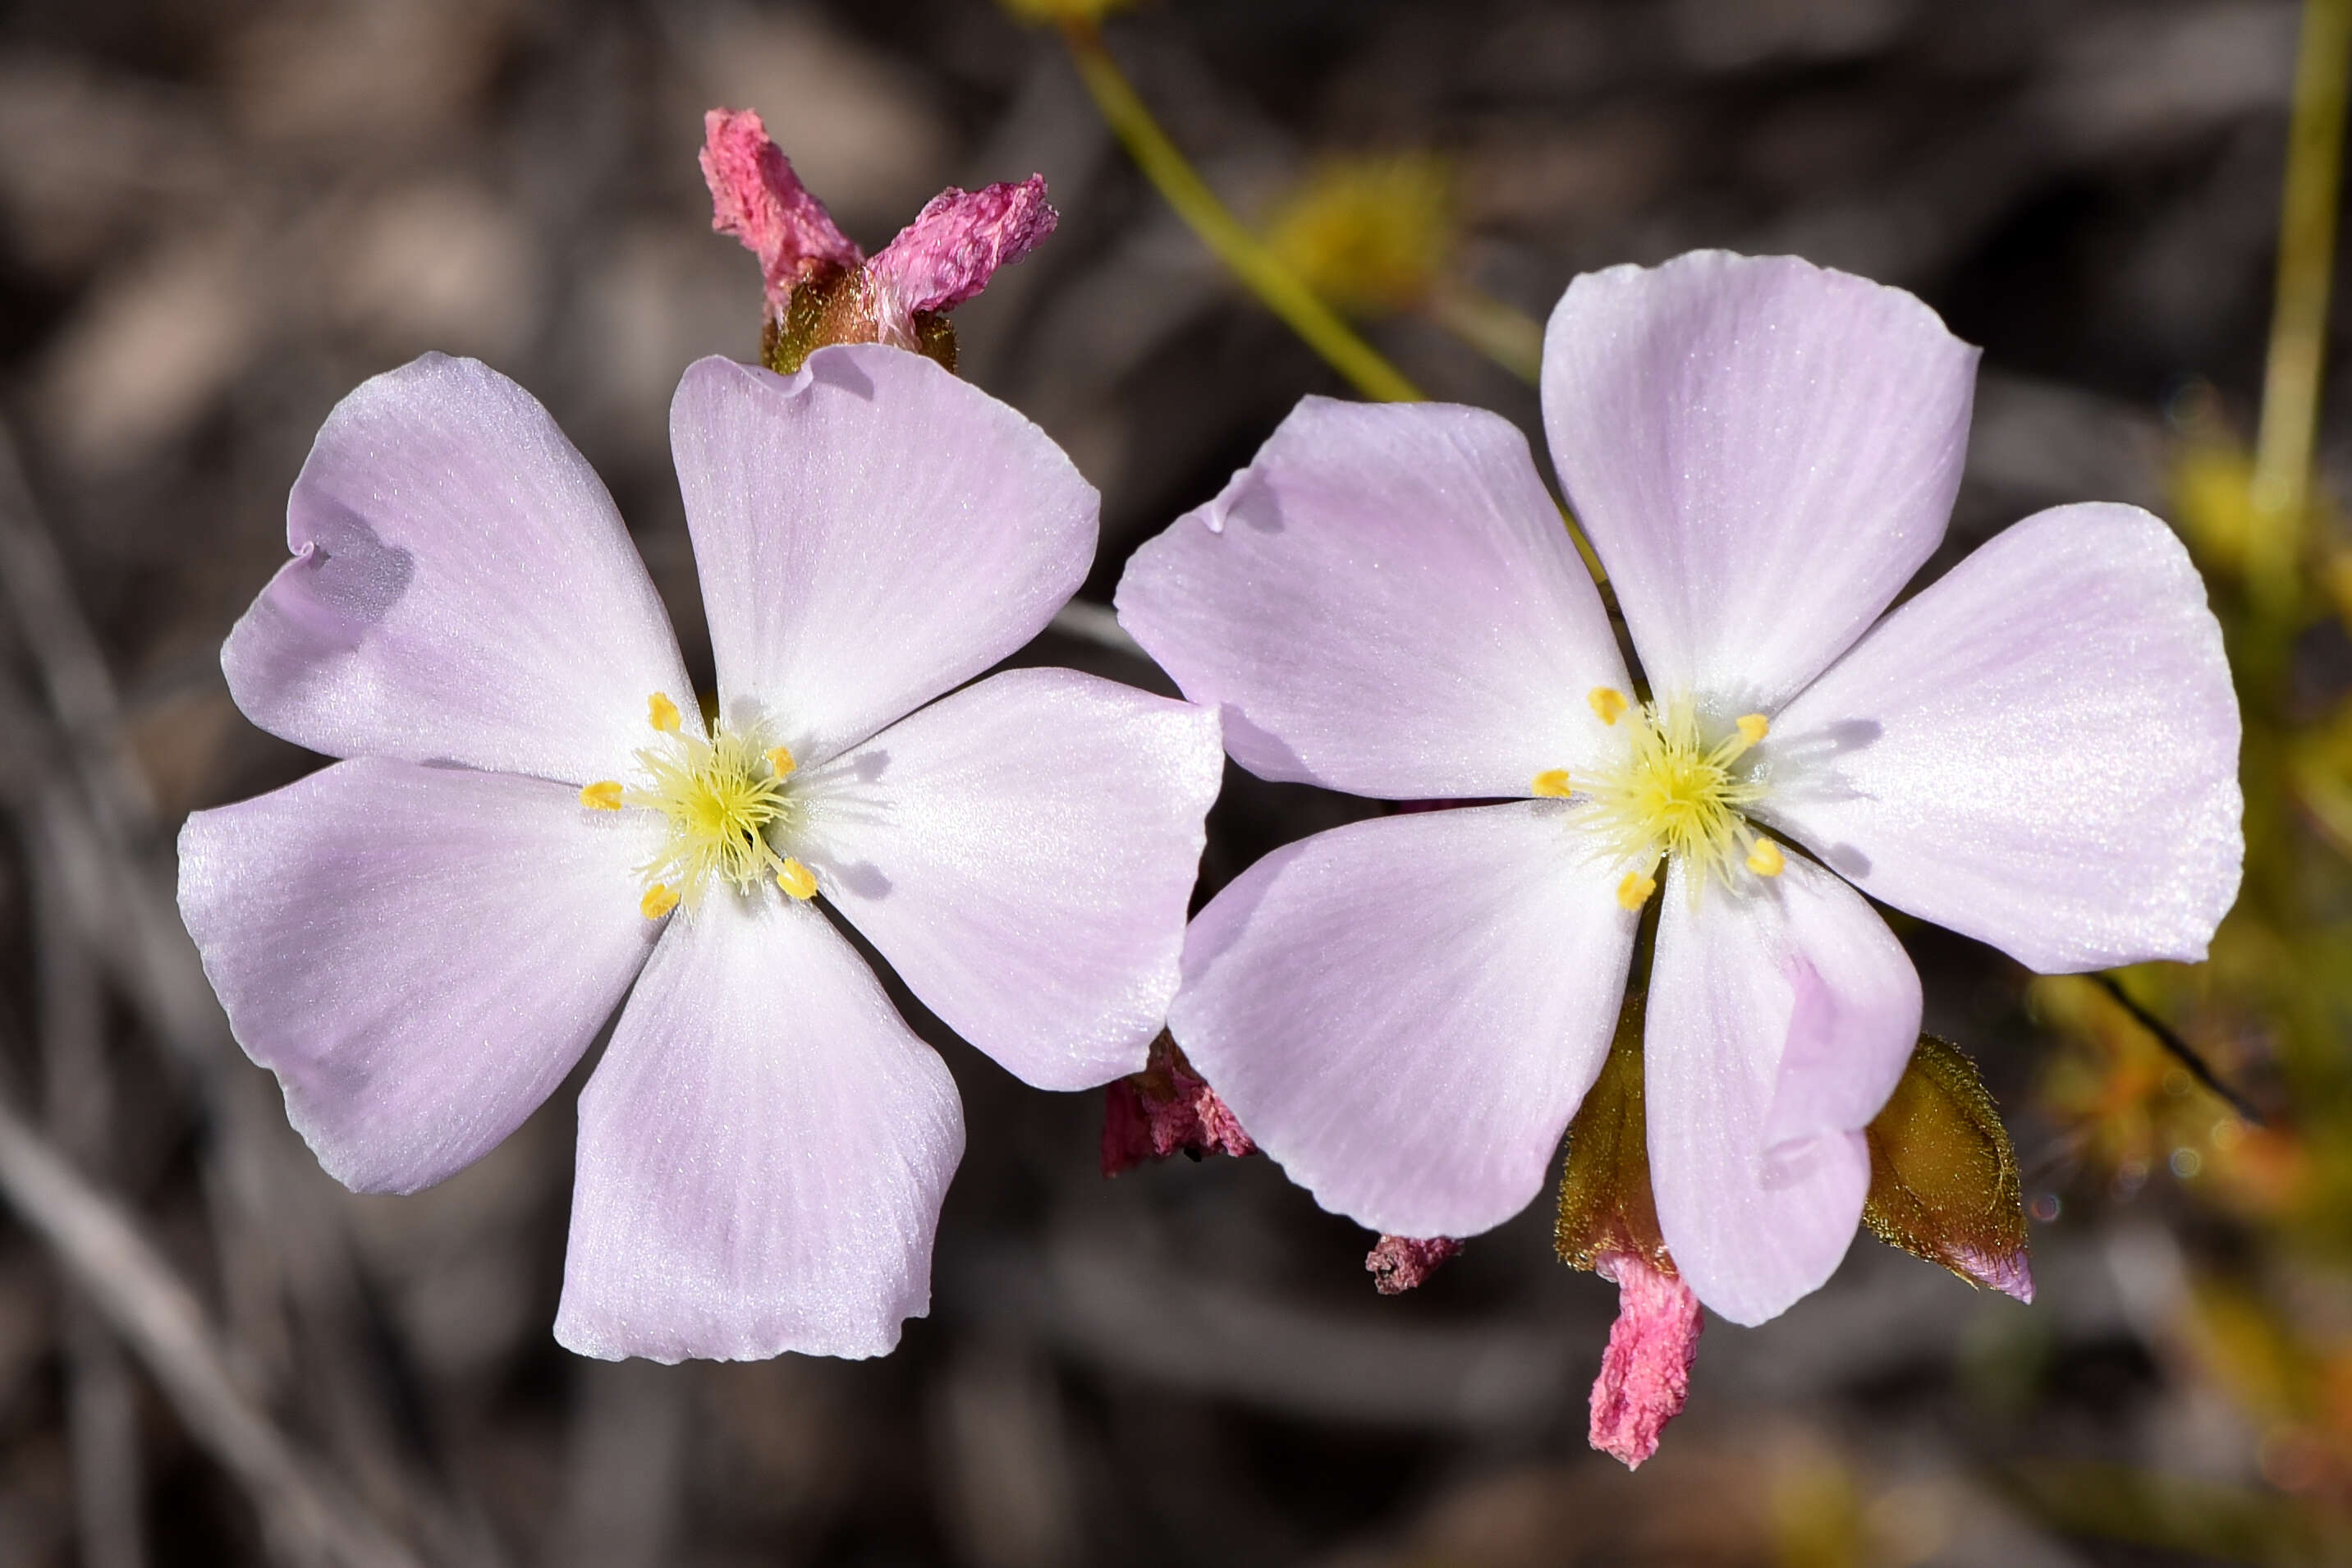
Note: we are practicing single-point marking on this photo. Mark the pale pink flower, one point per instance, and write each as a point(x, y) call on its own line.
point(537, 826)
point(2038, 750)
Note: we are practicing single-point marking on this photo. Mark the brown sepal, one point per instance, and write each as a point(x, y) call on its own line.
point(1943, 1178)
point(1605, 1204)
point(837, 305)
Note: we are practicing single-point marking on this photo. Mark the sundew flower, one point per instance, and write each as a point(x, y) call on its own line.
point(537, 824)
point(2039, 749)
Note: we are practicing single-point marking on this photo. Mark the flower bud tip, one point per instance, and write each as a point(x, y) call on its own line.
point(2008, 1273)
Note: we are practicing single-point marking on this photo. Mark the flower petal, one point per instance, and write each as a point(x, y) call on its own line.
point(1023, 852)
point(1385, 602)
point(872, 532)
point(1405, 1012)
point(2039, 751)
point(959, 240)
point(757, 197)
point(1761, 451)
point(1780, 1015)
point(462, 590)
point(419, 955)
point(762, 1152)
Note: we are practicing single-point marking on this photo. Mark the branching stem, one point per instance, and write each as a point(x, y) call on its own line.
point(1264, 273)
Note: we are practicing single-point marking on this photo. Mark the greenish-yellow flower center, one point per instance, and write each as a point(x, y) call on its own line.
point(726, 799)
point(1678, 793)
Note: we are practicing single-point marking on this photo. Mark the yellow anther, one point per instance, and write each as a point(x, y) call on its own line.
point(797, 880)
point(1753, 727)
point(1552, 783)
point(1608, 704)
point(780, 761)
point(603, 796)
point(1635, 890)
point(1764, 859)
point(659, 899)
point(662, 713)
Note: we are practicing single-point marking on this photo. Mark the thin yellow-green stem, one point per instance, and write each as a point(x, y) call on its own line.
point(2281, 481)
point(1264, 273)
point(1503, 333)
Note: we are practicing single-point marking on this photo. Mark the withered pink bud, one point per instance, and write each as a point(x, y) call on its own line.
point(756, 198)
point(1645, 1371)
point(1164, 1108)
point(959, 240)
point(821, 288)
point(1399, 1263)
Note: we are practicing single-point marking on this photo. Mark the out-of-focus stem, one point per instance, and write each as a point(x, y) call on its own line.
point(1504, 333)
point(1183, 189)
point(2281, 482)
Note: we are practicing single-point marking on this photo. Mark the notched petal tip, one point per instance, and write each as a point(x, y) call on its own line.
point(959, 239)
point(1645, 1371)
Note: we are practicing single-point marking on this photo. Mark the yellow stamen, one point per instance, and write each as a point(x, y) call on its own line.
point(1676, 792)
point(662, 713)
point(1753, 727)
point(797, 880)
point(603, 796)
point(659, 899)
point(1764, 859)
point(1552, 784)
point(1635, 890)
point(722, 803)
point(780, 761)
point(1608, 704)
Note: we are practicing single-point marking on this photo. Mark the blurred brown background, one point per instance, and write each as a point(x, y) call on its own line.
point(217, 218)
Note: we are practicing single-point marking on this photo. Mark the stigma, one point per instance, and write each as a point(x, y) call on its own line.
point(726, 800)
point(1682, 792)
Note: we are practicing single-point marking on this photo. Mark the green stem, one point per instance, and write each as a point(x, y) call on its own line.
point(1503, 333)
point(2281, 482)
point(1235, 245)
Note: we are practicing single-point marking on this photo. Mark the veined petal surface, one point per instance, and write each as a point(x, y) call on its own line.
point(2039, 751)
point(462, 590)
point(871, 532)
point(1022, 852)
point(420, 954)
point(763, 1150)
point(1762, 452)
point(1780, 1017)
point(1384, 602)
point(1405, 1013)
